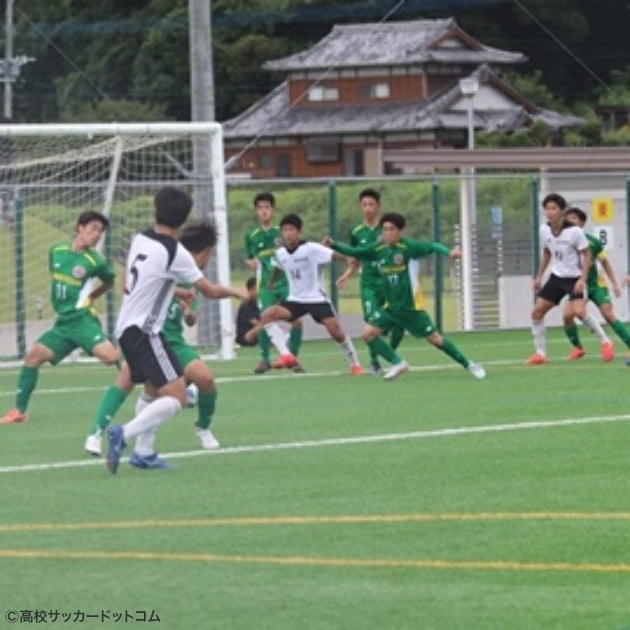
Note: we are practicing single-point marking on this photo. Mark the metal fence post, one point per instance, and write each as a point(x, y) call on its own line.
point(332, 227)
point(438, 288)
point(534, 193)
point(20, 307)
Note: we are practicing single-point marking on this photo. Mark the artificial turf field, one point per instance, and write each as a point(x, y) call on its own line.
point(435, 501)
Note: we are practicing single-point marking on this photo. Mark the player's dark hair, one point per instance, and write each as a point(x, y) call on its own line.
point(559, 200)
point(265, 196)
point(370, 192)
point(393, 217)
point(292, 219)
point(90, 215)
point(198, 235)
point(251, 283)
point(578, 212)
point(172, 206)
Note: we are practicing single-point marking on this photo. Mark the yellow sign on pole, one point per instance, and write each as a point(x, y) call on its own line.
point(603, 210)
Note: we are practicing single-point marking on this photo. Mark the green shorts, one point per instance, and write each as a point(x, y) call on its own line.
point(599, 295)
point(185, 354)
point(417, 323)
point(269, 297)
point(370, 302)
point(80, 329)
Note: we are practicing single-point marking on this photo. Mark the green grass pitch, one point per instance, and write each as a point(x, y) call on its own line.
point(436, 501)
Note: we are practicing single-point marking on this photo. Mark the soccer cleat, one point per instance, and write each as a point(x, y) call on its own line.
point(578, 353)
point(396, 370)
point(116, 445)
point(356, 370)
point(92, 445)
point(192, 395)
point(476, 370)
point(262, 367)
point(14, 415)
point(608, 351)
point(298, 369)
point(208, 441)
point(376, 369)
point(149, 461)
point(537, 359)
point(284, 361)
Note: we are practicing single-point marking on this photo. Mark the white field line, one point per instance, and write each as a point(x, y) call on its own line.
point(362, 439)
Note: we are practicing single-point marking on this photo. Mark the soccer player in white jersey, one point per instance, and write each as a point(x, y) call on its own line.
point(567, 256)
point(301, 260)
point(156, 262)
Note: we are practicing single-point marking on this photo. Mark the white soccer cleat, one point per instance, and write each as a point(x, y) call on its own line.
point(476, 370)
point(92, 444)
point(396, 370)
point(192, 395)
point(208, 441)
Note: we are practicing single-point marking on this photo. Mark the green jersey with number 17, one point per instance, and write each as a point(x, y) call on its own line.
point(262, 244)
point(73, 276)
point(394, 263)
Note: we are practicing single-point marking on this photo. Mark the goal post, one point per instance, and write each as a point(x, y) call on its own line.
point(51, 173)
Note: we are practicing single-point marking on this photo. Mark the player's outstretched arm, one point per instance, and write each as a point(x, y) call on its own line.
point(610, 274)
point(100, 290)
point(362, 253)
point(218, 291)
point(353, 265)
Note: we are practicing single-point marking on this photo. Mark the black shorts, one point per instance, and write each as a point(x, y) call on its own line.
point(319, 311)
point(556, 288)
point(150, 358)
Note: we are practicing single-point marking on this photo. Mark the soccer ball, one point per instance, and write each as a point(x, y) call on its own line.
point(192, 395)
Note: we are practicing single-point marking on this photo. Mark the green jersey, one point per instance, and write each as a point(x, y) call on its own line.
point(396, 264)
point(363, 235)
point(73, 276)
point(597, 253)
point(262, 245)
point(174, 323)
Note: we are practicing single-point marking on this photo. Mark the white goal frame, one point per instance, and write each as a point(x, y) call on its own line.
point(208, 157)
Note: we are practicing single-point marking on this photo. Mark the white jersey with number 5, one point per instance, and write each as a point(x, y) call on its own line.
point(155, 263)
point(565, 249)
point(301, 267)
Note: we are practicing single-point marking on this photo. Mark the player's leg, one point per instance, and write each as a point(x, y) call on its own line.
point(548, 297)
point(369, 305)
point(266, 298)
point(52, 346)
point(324, 314)
point(617, 325)
point(197, 372)
point(421, 325)
point(150, 360)
point(109, 405)
point(571, 332)
point(600, 296)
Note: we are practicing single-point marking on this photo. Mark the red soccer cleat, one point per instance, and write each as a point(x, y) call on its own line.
point(537, 359)
point(285, 361)
point(356, 370)
point(576, 353)
point(15, 415)
point(608, 351)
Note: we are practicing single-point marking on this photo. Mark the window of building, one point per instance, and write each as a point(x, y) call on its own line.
point(374, 91)
point(283, 165)
point(322, 152)
point(265, 161)
point(323, 93)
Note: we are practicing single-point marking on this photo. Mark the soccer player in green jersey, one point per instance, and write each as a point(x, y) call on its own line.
point(371, 281)
point(73, 270)
point(199, 238)
point(597, 293)
point(394, 259)
point(261, 244)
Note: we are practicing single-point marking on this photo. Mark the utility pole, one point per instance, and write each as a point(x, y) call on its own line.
point(202, 110)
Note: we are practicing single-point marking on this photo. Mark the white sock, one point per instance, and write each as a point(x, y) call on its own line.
point(351, 353)
point(278, 337)
point(152, 416)
point(540, 340)
point(593, 325)
point(145, 443)
point(142, 402)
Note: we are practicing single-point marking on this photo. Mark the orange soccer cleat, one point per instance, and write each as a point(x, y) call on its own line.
point(356, 370)
point(608, 351)
point(15, 415)
point(537, 359)
point(576, 353)
point(285, 361)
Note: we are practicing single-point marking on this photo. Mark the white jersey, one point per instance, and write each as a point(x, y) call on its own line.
point(155, 263)
point(565, 249)
point(301, 267)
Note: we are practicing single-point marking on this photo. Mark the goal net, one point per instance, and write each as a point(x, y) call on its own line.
point(49, 174)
